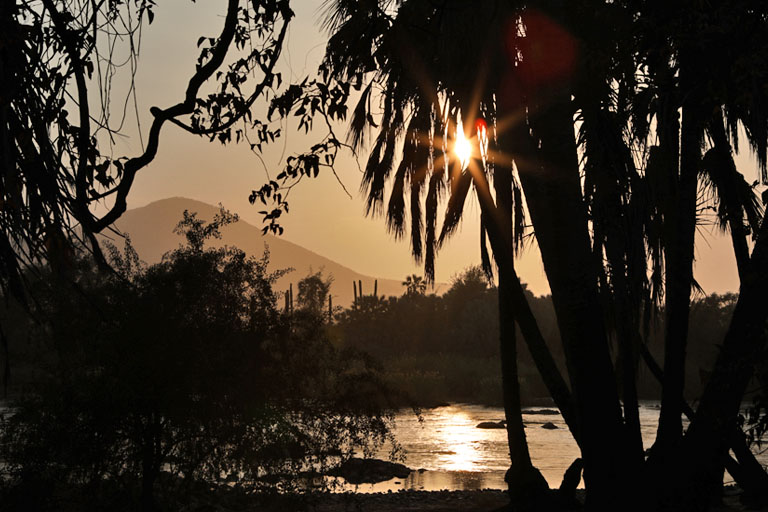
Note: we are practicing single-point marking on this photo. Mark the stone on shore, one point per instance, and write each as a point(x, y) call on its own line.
point(358, 471)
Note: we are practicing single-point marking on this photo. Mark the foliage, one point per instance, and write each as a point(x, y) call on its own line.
point(187, 372)
point(604, 113)
point(60, 60)
point(415, 285)
point(314, 290)
point(445, 348)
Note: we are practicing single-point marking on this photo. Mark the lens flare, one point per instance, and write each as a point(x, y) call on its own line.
point(481, 129)
point(462, 148)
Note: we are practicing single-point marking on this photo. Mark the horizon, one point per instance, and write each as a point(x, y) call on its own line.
point(322, 217)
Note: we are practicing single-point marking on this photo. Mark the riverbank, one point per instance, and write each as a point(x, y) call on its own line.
point(411, 501)
point(485, 500)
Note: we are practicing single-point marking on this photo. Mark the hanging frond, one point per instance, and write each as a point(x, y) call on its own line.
point(459, 191)
point(361, 117)
point(434, 191)
point(416, 219)
point(733, 198)
point(485, 258)
point(396, 206)
point(518, 216)
point(356, 29)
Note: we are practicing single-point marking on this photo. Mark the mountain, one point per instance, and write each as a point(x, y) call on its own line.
point(151, 231)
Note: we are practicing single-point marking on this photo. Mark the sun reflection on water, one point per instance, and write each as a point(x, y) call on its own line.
point(460, 443)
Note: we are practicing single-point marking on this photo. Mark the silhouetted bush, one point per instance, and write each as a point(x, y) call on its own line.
point(181, 375)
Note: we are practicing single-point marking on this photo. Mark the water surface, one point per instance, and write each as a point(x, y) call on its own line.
point(448, 451)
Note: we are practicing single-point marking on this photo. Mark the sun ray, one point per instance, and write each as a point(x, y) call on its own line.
point(514, 118)
point(462, 147)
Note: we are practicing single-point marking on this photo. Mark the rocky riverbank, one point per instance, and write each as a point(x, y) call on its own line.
point(486, 500)
point(406, 501)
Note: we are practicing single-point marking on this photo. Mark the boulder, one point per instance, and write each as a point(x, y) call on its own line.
point(491, 424)
point(358, 471)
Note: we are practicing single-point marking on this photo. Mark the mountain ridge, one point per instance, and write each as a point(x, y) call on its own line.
point(150, 229)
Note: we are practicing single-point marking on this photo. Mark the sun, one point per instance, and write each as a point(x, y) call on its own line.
point(462, 148)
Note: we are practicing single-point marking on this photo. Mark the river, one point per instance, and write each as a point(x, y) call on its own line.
point(448, 451)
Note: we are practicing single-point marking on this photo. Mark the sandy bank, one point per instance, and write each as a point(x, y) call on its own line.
point(486, 500)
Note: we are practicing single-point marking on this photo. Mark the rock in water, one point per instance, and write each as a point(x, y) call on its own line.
point(369, 471)
point(549, 426)
point(491, 424)
point(542, 412)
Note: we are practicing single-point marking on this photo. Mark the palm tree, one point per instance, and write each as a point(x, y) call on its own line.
point(415, 285)
point(427, 167)
point(708, 90)
point(597, 241)
point(433, 113)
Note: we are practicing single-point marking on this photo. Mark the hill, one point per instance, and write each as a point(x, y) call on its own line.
point(151, 231)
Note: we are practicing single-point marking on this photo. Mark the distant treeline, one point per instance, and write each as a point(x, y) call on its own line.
point(445, 348)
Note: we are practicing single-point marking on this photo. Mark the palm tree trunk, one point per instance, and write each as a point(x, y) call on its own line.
point(746, 470)
point(545, 364)
point(626, 331)
point(708, 437)
point(680, 255)
point(527, 487)
point(553, 193)
point(734, 210)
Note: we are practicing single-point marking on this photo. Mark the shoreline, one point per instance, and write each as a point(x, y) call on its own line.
point(482, 500)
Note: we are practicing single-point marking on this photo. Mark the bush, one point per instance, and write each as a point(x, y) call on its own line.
point(183, 374)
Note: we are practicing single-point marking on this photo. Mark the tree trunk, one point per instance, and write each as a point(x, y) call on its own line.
point(627, 338)
point(558, 214)
point(679, 269)
point(529, 327)
point(746, 470)
point(527, 487)
point(728, 181)
point(708, 437)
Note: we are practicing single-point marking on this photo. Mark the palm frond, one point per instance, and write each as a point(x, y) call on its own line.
point(416, 218)
point(485, 258)
point(434, 191)
point(396, 206)
point(361, 117)
point(518, 216)
point(459, 190)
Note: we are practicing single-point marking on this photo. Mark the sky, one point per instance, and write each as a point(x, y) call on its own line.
point(323, 218)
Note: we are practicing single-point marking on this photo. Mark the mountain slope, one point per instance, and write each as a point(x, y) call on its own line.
point(151, 231)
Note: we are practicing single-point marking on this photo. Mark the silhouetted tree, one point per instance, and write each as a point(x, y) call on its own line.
point(185, 371)
point(600, 213)
point(415, 285)
point(313, 292)
point(56, 131)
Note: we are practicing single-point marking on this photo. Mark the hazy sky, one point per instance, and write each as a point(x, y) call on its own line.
point(322, 217)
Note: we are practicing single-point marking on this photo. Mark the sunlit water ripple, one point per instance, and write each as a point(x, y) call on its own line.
point(448, 451)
